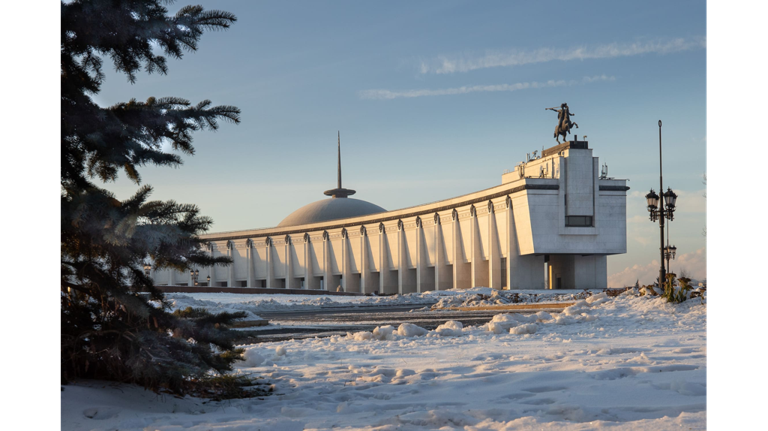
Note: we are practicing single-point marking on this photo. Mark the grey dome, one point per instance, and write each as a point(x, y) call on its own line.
point(330, 209)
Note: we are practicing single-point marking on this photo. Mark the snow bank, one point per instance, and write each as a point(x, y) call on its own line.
point(360, 336)
point(622, 363)
point(501, 323)
point(576, 309)
point(253, 304)
point(505, 322)
point(388, 332)
point(480, 297)
point(384, 332)
point(410, 330)
point(451, 328)
point(597, 299)
point(527, 328)
point(562, 319)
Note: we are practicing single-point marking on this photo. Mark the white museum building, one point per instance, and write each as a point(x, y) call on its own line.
point(551, 224)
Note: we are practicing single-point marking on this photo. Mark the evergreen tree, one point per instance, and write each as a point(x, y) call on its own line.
point(108, 331)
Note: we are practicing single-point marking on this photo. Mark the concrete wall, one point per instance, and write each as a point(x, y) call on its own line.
point(578, 183)
point(455, 243)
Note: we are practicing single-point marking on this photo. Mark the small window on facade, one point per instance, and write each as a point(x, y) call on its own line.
point(578, 221)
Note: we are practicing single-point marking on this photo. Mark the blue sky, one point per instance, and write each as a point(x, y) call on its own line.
point(437, 99)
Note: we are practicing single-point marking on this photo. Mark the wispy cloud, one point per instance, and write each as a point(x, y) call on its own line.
point(389, 94)
point(515, 57)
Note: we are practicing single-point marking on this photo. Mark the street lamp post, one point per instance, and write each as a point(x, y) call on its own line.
point(209, 281)
point(657, 210)
point(669, 252)
point(670, 199)
point(194, 275)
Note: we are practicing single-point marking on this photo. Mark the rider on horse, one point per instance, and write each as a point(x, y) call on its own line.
point(564, 123)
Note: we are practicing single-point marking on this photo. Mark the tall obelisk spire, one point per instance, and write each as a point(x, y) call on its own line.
point(339, 150)
point(339, 192)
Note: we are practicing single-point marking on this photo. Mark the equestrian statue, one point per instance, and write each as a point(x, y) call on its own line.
point(564, 124)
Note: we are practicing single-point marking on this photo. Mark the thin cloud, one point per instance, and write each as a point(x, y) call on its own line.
point(466, 63)
point(389, 94)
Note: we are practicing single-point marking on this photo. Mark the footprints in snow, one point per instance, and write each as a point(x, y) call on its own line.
point(620, 373)
point(621, 350)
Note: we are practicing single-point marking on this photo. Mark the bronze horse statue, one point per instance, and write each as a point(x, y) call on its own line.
point(564, 124)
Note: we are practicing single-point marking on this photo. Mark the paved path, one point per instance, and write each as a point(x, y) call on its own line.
point(325, 322)
point(548, 306)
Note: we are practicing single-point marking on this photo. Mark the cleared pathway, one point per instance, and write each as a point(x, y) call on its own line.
point(325, 322)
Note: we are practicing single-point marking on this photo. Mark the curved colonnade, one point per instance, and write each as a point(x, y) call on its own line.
point(512, 236)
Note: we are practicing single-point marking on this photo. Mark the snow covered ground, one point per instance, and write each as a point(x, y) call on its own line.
point(256, 303)
point(624, 363)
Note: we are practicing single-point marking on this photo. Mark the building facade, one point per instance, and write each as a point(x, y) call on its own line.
point(550, 225)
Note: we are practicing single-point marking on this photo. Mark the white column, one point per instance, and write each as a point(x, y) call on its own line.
point(601, 272)
point(364, 264)
point(171, 278)
point(231, 269)
point(327, 276)
point(401, 263)
point(421, 261)
point(312, 282)
point(289, 279)
point(513, 249)
point(461, 279)
point(494, 251)
point(385, 282)
point(307, 263)
point(249, 256)
point(456, 252)
point(270, 263)
point(441, 275)
point(475, 254)
point(345, 272)
point(548, 273)
point(381, 259)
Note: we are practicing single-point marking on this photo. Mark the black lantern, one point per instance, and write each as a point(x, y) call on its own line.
point(670, 198)
point(653, 200)
point(653, 204)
